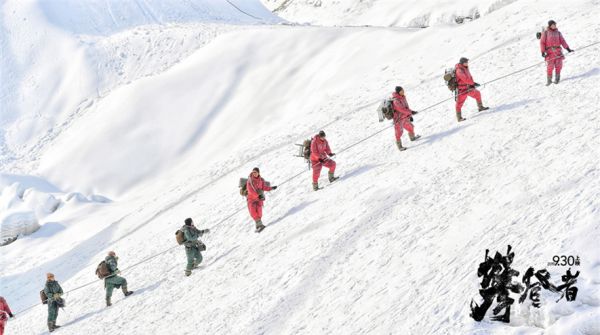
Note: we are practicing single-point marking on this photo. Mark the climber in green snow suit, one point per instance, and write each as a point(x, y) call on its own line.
point(113, 281)
point(192, 245)
point(53, 291)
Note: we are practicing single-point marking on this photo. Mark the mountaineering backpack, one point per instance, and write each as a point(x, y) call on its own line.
point(102, 270)
point(386, 110)
point(44, 297)
point(450, 79)
point(179, 236)
point(539, 34)
point(243, 187)
point(304, 149)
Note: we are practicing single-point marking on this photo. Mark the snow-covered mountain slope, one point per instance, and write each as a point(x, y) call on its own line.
point(392, 248)
point(385, 13)
point(60, 58)
point(68, 54)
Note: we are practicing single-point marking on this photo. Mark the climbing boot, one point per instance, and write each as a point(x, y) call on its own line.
point(549, 81)
point(557, 78)
point(413, 137)
point(108, 303)
point(188, 273)
point(481, 107)
point(125, 292)
point(331, 177)
point(315, 186)
point(459, 117)
point(259, 226)
point(399, 144)
point(50, 326)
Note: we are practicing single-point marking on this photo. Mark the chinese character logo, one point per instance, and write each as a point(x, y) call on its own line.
point(498, 282)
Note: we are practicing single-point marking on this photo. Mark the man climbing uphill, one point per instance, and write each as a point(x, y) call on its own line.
point(54, 300)
point(5, 313)
point(256, 187)
point(402, 117)
point(320, 154)
point(466, 88)
point(551, 45)
point(113, 281)
point(193, 246)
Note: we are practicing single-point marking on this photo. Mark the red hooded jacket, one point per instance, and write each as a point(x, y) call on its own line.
point(319, 149)
point(552, 38)
point(254, 185)
point(401, 109)
point(463, 77)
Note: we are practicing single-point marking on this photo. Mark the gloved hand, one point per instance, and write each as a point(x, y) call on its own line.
point(261, 197)
point(321, 160)
point(544, 54)
point(56, 295)
point(570, 50)
point(470, 87)
point(331, 154)
point(476, 85)
point(274, 187)
point(414, 112)
point(411, 119)
point(206, 231)
point(11, 315)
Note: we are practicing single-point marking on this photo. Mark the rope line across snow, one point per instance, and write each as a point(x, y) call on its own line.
point(303, 171)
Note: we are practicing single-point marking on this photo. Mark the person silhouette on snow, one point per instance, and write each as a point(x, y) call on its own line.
point(402, 117)
point(466, 88)
point(551, 45)
point(256, 187)
point(320, 154)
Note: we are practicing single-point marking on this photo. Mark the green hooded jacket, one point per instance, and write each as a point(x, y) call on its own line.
point(192, 234)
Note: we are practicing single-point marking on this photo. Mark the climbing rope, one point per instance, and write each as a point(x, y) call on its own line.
point(303, 171)
point(131, 266)
point(243, 11)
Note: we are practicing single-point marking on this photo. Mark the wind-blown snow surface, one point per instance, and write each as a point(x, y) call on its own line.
point(68, 54)
point(392, 248)
point(386, 13)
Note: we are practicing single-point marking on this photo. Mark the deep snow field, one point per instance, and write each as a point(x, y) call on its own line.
point(119, 119)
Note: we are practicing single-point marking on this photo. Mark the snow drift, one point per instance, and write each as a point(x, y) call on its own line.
point(26, 201)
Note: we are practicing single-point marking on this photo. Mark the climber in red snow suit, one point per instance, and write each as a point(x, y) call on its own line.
point(320, 154)
point(402, 117)
point(550, 44)
point(256, 186)
point(466, 88)
point(5, 313)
